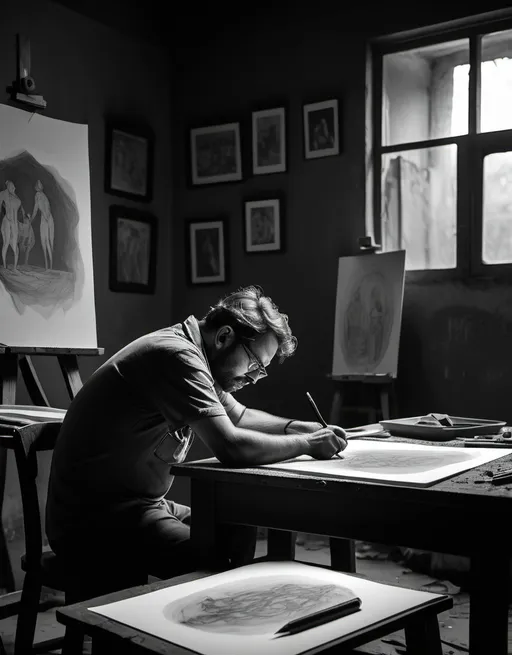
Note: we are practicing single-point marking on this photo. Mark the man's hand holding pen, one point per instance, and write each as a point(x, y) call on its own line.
point(325, 441)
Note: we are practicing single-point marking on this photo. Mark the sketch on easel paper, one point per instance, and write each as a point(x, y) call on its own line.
point(368, 314)
point(46, 285)
point(257, 607)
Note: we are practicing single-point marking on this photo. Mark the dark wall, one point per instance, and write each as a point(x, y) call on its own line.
point(85, 71)
point(455, 343)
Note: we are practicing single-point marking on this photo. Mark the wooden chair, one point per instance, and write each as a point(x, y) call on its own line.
point(39, 562)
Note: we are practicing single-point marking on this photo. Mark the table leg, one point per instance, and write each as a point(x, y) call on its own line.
point(343, 554)
point(422, 637)
point(203, 525)
point(489, 598)
point(280, 544)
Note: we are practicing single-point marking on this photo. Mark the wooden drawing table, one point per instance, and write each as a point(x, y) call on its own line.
point(465, 515)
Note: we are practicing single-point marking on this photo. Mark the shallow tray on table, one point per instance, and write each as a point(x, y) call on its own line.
point(462, 427)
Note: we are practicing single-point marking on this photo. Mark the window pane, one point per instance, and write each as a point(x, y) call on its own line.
point(423, 98)
point(497, 209)
point(419, 208)
point(496, 82)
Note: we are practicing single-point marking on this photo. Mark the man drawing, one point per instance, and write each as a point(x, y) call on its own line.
point(9, 228)
point(42, 204)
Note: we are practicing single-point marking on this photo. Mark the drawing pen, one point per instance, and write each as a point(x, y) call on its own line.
point(318, 415)
point(482, 443)
point(505, 479)
point(321, 617)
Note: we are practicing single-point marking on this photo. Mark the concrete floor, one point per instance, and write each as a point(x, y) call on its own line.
point(372, 562)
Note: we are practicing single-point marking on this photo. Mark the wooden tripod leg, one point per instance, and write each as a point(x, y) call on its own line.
point(70, 371)
point(34, 387)
point(8, 378)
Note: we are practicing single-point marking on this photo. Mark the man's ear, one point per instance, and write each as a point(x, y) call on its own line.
point(224, 338)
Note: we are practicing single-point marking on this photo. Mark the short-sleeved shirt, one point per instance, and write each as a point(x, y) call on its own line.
point(126, 427)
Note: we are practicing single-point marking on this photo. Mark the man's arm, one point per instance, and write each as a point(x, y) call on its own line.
point(237, 446)
point(255, 419)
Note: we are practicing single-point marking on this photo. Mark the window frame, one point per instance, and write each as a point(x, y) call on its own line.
point(471, 147)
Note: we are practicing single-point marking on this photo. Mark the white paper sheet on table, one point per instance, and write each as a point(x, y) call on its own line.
point(152, 613)
point(398, 463)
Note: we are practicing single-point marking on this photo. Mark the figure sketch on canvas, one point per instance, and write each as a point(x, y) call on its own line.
point(368, 321)
point(41, 261)
point(42, 204)
point(9, 228)
point(256, 606)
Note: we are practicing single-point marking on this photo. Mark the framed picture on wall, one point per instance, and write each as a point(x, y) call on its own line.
point(216, 154)
point(206, 251)
point(129, 161)
point(269, 141)
point(262, 225)
point(132, 265)
point(321, 129)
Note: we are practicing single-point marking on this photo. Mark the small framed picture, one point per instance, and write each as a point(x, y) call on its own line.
point(269, 141)
point(262, 222)
point(216, 154)
point(133, 237)
point(207, 261)
point(321, 129)
point(129, 161)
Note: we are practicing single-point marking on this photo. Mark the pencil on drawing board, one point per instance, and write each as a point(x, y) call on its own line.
point(319, 415)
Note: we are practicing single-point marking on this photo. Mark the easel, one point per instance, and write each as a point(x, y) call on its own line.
point(17, 358)
point(383, 402)
point(381, 405)
point(12, 360)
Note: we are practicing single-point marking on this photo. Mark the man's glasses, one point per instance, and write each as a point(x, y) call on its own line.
point(255, 370)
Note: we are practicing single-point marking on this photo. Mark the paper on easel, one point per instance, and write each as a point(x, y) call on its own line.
point(46, 268)
point(369, 300)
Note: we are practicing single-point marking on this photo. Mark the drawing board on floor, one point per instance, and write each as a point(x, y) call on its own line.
point(397, 463)
point(240, 611)
point(369, 297)
point(46, 267)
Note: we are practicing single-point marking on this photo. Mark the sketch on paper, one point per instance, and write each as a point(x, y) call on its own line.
point(46, 252)
point(399, 463)
point(157, 613)
point(368, 314)
point(261, 606)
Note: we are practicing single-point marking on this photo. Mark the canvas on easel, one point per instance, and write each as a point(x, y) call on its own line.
point(46, 268)
point(369, 300)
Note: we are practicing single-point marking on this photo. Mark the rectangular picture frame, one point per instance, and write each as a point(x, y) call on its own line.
point(133, 239)
point(215, 154)
point(129, 160)
point(321, 129)
point(207, 251)
point(269, 141)
point(263, 225)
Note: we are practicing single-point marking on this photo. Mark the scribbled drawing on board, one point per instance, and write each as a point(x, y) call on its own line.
point(41, 261)
point(254, 606)
point(367, 322)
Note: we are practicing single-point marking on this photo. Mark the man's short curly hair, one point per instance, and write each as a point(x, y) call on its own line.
point(250, 313)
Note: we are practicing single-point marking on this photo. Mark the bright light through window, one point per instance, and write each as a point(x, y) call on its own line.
point(496, 96)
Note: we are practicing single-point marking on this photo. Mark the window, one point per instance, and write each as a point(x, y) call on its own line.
point(442, 141)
